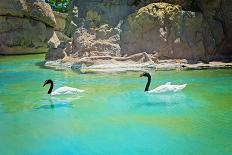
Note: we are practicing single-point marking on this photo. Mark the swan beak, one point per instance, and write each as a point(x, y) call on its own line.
point(44, 84)
point(140, 75)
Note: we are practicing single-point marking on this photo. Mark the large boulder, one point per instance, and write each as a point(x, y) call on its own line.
point(168, 30)
point(26, 26)
point(34, 9)
point(22, 35)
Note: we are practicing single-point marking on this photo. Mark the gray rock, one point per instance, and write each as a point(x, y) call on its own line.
point(35, 9)
point(166, 29)
point(60, 20)
point(55, 54)
point(22, 36)
point(26, 26)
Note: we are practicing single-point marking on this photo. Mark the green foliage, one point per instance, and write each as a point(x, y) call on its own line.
point(59, 5)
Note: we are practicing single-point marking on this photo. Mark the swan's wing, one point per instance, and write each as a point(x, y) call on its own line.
point(71, 89)
point(167, 88)
point(79, 90)
point(179, 87)
point(159, 89)
point(66, 90)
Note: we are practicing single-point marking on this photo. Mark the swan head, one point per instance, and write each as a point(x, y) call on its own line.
point(145, 74)
point(47, 82)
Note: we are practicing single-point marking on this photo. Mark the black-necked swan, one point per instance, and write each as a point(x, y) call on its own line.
point(62, 90)
point(168, 87)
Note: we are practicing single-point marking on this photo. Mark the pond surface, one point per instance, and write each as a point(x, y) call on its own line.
point(114, 116)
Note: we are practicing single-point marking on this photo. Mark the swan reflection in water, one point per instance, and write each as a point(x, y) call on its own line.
point(164, 100)
point(66, 101)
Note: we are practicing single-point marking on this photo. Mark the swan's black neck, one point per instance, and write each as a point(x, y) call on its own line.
point(51, 87)
point(148, 82)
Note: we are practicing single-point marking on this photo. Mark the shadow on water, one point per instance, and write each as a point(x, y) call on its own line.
point(163, 100)
point(155, 104)
point(58, 102)
point(53, 106)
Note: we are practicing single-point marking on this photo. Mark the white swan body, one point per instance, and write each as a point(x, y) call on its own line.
point(66, 90)
point(168, 87)
point(62, 90)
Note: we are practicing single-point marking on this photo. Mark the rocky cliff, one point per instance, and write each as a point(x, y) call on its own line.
point(148, 30)
point(26, 26)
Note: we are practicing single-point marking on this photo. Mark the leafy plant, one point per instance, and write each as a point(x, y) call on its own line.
point(59, 5)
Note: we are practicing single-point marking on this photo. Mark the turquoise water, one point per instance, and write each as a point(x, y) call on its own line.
point(114, 116)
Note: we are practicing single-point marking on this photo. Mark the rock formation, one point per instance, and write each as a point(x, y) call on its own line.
point(95, 47)
point(26, 26)
point(166, 29)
